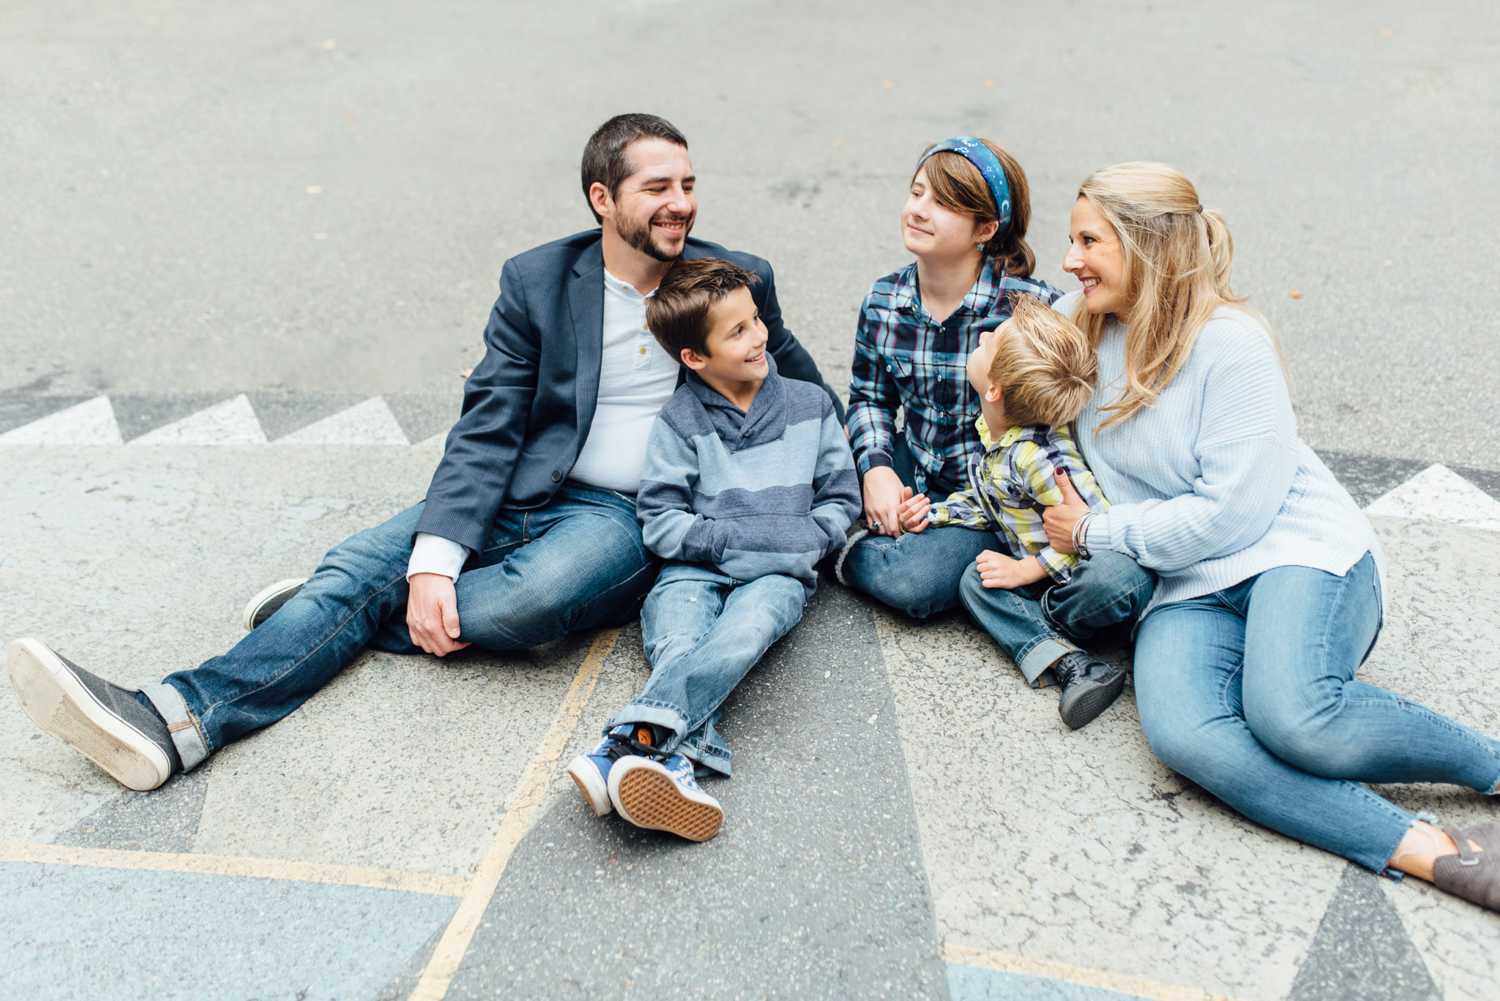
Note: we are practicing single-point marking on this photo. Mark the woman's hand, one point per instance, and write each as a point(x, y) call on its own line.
point(1059, 519)
point(884, 494)
point(914, 512)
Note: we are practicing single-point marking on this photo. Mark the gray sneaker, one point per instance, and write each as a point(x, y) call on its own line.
point(103, 722)
point(268, 600)
point(1088, 687)
point(1474, 876)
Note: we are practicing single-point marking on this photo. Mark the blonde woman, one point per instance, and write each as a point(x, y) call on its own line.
point(1269, 575)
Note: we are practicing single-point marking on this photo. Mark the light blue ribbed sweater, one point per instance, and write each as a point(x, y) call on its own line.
point(1211, 485)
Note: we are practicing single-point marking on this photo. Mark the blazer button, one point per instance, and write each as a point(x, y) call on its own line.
point(556, 476)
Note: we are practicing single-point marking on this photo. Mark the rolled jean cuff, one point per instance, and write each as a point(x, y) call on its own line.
point(1034, 662)
point(710, 756)
point(656, 715)
point(187, 733)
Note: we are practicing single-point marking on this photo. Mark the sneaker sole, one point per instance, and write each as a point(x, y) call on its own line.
point(648, 798)
point(61, 705)
point(268, 600)
point(1091, 703)
point(590, 786)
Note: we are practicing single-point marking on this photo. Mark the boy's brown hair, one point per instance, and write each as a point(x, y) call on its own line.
point(677, 313)
point(1043, 364)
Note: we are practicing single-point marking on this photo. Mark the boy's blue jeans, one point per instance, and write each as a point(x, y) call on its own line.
point(573, 565)
point(1037, 624)
point(1250, 693)
point(703, 632)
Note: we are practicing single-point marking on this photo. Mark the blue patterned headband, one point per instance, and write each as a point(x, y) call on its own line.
point(984, 158)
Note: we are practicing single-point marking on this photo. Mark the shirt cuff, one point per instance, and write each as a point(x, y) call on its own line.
point(435, 554)
point(1059, 566)
point(872, 459)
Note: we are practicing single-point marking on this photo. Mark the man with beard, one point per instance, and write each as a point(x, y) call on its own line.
point(528, 531)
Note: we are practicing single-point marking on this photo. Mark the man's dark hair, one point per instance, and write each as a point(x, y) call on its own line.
point(604, 155)
point(677, 312)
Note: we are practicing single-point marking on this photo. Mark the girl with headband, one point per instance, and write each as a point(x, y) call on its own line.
point(965, 223)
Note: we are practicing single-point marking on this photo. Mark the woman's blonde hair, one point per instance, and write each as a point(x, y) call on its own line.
point(1177, 260)
point(958, 186)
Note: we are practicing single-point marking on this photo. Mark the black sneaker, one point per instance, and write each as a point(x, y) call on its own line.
point(265, 603)
point(1088, 687)
point(101, 721)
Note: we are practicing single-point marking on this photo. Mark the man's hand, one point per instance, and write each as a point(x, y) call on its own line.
point(432, 614)
point(883, 496)
point(996, 570)
point(1059, 519)
point(914, 512)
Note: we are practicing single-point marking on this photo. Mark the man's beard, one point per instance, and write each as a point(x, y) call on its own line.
point(639, 237)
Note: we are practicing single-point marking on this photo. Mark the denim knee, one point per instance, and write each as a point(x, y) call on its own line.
point(1108, 589)
point(1301, 737)
point(971, 589)
point(879, 572)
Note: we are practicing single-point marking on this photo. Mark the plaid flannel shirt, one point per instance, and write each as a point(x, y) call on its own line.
point(904, 359)
point(1012, 482)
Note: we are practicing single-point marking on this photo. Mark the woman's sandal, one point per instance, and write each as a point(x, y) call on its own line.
point(1474, 876)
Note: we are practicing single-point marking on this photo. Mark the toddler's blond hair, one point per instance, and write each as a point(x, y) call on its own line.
point(1043, 364)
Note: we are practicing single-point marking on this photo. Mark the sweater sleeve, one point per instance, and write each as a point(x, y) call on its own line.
point(664, 504)
point(1246, 452)
point(836, 497)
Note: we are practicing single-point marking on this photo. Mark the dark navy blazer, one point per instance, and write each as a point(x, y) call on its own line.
point(529, 403)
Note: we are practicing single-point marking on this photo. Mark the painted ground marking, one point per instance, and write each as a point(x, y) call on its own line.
point(520, 815)
point(1124, 983)
point(433, 883)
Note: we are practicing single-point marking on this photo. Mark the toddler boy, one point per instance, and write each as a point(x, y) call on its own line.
point(748, 482)
point(1034, 374)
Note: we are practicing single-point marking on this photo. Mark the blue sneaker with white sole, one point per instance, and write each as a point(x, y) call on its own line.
point(590, 772)
point(663, 795)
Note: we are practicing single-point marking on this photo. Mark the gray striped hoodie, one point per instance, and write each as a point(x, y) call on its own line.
point(769, 491)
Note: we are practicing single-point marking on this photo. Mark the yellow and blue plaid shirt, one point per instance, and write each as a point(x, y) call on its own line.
point(1012, 482)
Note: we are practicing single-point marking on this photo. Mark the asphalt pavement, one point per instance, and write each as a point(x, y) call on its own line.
point(248, 252)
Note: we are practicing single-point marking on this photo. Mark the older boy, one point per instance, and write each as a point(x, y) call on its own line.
point(748, 482)
point(1033, 374)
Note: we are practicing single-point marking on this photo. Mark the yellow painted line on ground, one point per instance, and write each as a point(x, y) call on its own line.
point(1124, 983)
point(437, 884)
point(520, 814)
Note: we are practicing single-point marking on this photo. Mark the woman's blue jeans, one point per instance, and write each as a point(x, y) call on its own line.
point(1250, 693)
point(574, 565)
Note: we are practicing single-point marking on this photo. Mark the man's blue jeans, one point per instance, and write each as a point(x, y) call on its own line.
point(576, 564)
point(1250, 693)
point(703, 632)
point(1036, 625)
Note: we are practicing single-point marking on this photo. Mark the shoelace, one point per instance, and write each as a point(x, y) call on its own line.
point(1070, 669)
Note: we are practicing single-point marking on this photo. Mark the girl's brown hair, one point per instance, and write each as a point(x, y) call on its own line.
point(958, 185)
